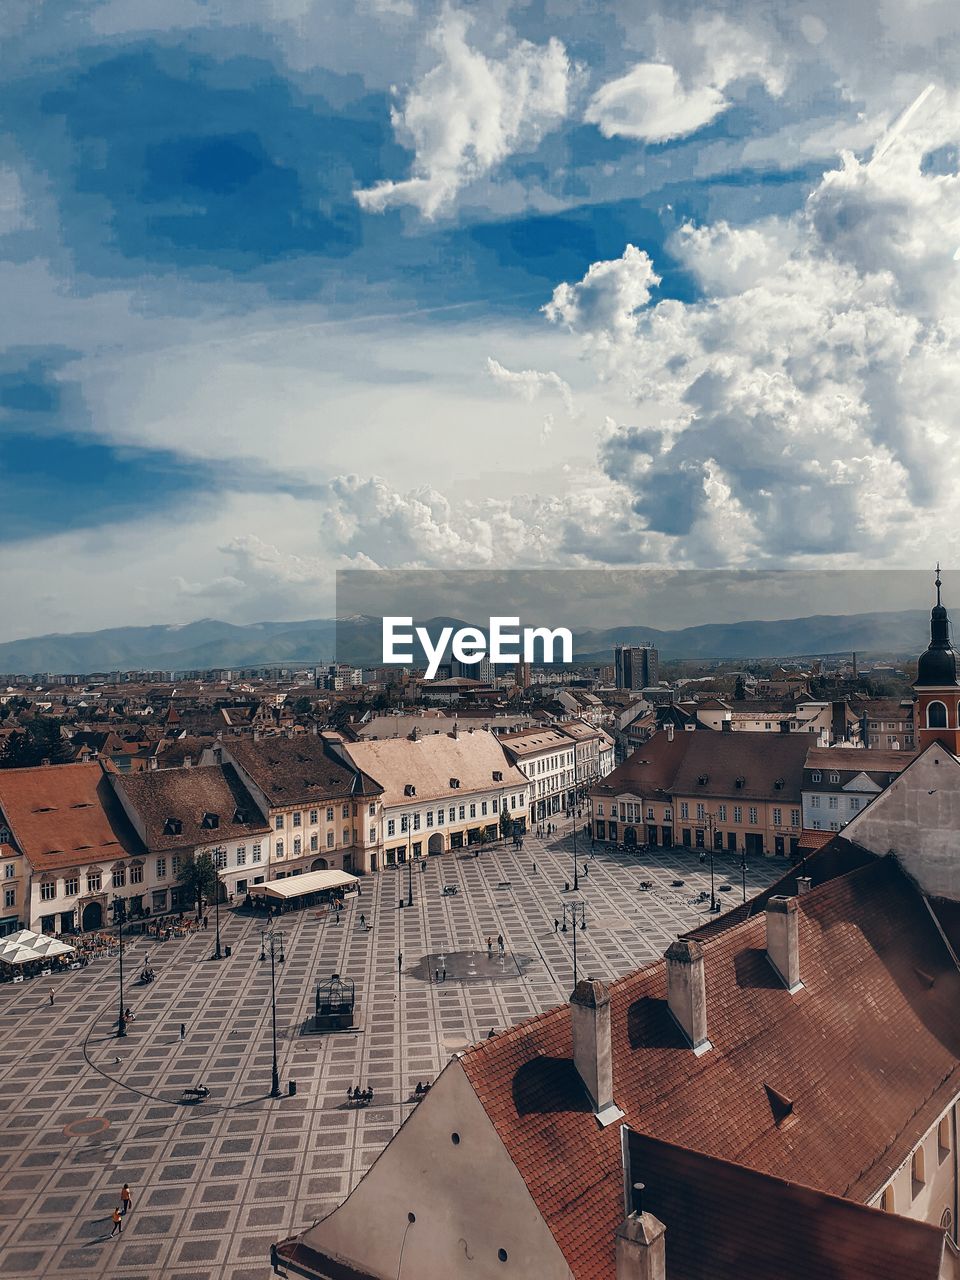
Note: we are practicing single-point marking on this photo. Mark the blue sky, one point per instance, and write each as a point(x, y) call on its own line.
point(298, 286)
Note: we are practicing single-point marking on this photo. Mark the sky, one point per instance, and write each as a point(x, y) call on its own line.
point(293, 286)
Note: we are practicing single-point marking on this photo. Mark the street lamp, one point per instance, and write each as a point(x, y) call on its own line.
point(743, 873)
point(275, 937)
point(409, 864)
point(217, 955)
point(710, 821)
point(578, 915)
point(119, 915)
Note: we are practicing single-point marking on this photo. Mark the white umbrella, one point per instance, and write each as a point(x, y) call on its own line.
point(18, 955)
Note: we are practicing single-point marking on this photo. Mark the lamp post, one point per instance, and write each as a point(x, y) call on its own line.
point(217, 955)
point(578, 914)
point(119, 915)
point(275, 937)
point(409, 864)
point(743, 874)
point(710, 822)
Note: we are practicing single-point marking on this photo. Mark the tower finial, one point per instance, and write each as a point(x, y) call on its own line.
point(938, 584)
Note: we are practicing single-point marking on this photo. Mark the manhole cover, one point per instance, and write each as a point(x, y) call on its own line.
point(86, 1128)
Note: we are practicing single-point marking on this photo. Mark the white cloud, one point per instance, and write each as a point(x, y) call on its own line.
point(807, 403)
point(651, 104)
point(529, 384)
point(470, 112)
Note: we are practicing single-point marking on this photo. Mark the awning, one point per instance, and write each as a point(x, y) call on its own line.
point(312, 882)
point(25, 945)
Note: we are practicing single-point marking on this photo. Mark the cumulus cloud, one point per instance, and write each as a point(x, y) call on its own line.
point(806, 400)
point(529, 384)
point(684, 89)
point(470, 112)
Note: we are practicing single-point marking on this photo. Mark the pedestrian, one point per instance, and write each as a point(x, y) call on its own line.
point(586, 868)
point(206, 922)
point(443, 974)
point(437, 975)
point(51, 997)
point(534, 868)
point(489, 946)
point(117, 1223)
point(556, 925)
point(183, 1032)
point(126, 1200)
point(500, 946)
point(363, 921)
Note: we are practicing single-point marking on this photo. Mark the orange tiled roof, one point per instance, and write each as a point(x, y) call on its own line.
point(868, 1052)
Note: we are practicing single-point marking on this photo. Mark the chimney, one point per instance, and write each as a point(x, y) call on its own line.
point(187, 762)
point(640, 1243)
point(726, 725)
point(669, 729)
point(783, 947)
point(687, 991)
point(151, 763)
point(804, 884)
point(592, 1049)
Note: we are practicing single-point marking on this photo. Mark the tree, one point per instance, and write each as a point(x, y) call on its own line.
point(303, 706)
point(199, 879)
point(38, 740)
point(739, 690)
point(506, 822)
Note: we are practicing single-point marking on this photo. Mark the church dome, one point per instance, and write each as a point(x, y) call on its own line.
point(938, 663)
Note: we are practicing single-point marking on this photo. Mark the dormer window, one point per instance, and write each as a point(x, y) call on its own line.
point(241, 816)
point(815, 776)
point(211, 821)
point(454, 783)
point(702, 780)
point(740, 783)
point(779, 784)
point(498, 775)
point(172, 827)
point(409, 789)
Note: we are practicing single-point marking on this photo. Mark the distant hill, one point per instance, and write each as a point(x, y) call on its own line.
point(210, 643)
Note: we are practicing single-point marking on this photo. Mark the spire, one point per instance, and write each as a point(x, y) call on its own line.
point(938, 665)
point(938, 585)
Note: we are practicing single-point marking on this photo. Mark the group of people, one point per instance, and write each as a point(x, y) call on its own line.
point(421, 1090)
point(501, 945)
point(122, 1209)
point(360, 1097)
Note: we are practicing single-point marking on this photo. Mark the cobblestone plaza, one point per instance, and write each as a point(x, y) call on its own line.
point(214, 1183)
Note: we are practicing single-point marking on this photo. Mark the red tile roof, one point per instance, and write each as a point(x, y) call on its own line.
point(65, 815)
point(868, 1052)
point(725, 1222)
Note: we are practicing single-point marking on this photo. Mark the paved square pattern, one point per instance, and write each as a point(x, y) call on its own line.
point(215, 1182)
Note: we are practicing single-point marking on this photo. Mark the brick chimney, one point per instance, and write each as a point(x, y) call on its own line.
point(804, 884)
point(687, 991)
point(669, 732)
point(592, 1048)
point(641, 1254)
point(783, 945)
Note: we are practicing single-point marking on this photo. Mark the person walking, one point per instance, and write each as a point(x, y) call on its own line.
point(183, 1032)
point(51, 997)
point(126, 1199)
point(443, 974)
point(437, 975)
point(586, 868)
point(556, 925)
point(363, 921)
point(489, 946)
point(117, 1219)
point(500, 946)
point(206, 921)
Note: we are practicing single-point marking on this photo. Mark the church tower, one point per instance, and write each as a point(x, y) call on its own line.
point(937, 709)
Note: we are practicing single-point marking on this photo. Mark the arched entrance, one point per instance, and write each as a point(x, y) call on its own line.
point(435, 843)
point(318, 864)
point(92, 917)
point(630, 835)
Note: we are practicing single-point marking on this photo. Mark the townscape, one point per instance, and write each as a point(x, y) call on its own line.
point(563, 935)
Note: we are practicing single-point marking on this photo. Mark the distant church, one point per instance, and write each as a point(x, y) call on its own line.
point(937, 717)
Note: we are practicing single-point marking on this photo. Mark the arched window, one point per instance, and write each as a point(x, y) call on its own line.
point(936, 715)
point(886, 1202)
point(917, 1171)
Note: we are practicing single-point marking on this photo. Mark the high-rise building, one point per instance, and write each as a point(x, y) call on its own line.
point(636, 666)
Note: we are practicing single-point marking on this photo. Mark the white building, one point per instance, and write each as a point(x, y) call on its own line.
point(838, 783)
point(545, 756)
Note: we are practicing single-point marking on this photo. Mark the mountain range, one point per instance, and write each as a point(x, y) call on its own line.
point(210, 643)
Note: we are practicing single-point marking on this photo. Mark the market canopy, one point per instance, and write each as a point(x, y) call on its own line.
point(25, 945)
point(312, 882)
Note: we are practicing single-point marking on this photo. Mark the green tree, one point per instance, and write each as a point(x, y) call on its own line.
point(199, 879)
point(38, 740)
point(506, 823)
point(739, 690)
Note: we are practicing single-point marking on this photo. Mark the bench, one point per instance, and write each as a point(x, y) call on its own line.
point(196, 1094)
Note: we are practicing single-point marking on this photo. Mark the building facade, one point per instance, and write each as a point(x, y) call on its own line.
point(838, 783)
point(546, 758)
point(636, 666)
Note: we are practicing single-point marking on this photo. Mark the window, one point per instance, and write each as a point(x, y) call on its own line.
point(161, 868)
point(346, 811)
point(752, 816)
point(816, 824)
point(346, 835)
point(279, 849)
point(93, 883)
point(473, 811)
point(778, 817)
point(314, 842)
point(794, 817)
point(917, 1178)
point(9, 870)
point(483, 808)
point(9, 897)
point(391, 826)
point(314, 817)
point(429, 817)
point(943, 1139)
point(738, 813)
point(373, 834)
point(119, 877)
point(416, 822)
point(462, 812)
point(701, 813)
point(297, 845)
point(177, 863)
point(405, 822)
point(330, 815)
point(241, 855)
point(814, 802)
point(854, 803)
point(816, 775)
point(278, 822)
point(834, 777)
point(256, 853)
point(668, 815)
point(721, 813)
point(684, 809)
point(833, 802)
point(136, 874)
point(48, 890)
point(329, 839)
point(372, 811)
point(296, 819)
point(439, 817)
point(887, 1201)
point(650, 814)
point(453, 814)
